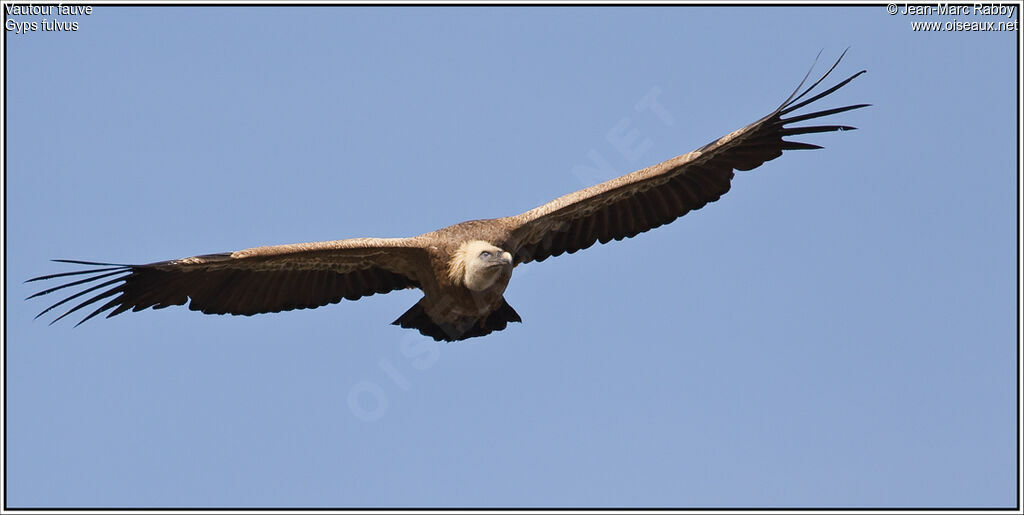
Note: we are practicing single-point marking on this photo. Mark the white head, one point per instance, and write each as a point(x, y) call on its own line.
point(478, 264)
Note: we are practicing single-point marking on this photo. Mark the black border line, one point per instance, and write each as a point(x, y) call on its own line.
point(6, 509)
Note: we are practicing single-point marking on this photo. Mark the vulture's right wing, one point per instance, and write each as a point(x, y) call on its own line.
point(246, 282)
point(645, 199)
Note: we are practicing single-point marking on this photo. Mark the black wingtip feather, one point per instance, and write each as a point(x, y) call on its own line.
point(99, 310)
point(80, 272)
point(796, 145)
point(802, 81)
point(101, 295)
point(75, 296)
point(815, 129)
point(791, 108)
point(791, 98)
point(76, 283)
point(819, 114)
point(93, 263)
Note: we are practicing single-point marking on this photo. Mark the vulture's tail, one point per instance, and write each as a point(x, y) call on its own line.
point(417, 318)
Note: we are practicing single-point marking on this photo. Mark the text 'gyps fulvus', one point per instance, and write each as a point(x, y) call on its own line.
point(462, 269)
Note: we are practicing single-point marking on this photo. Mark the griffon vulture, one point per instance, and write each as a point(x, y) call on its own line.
point(462, 269)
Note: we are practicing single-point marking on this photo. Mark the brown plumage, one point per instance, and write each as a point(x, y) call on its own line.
point(462, 269)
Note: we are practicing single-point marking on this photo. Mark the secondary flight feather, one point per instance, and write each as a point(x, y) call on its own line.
point(462, 269)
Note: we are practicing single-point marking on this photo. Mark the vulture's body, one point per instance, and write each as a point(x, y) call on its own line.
point(462, 269)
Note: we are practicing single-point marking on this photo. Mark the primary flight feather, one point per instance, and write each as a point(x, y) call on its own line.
point(462, 269)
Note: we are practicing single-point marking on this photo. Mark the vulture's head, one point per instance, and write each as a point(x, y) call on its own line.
point(479, 264)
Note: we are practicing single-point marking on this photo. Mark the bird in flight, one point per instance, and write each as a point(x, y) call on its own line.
point(462, 269)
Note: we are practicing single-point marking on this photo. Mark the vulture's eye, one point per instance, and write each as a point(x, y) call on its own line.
point(485, 253)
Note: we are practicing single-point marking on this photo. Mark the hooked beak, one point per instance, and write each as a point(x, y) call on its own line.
point(503, 259)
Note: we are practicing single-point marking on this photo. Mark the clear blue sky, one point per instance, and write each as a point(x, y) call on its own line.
point(838, 330)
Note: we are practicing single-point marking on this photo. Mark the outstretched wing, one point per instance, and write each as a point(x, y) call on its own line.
point(648, 198)
point(256, 280)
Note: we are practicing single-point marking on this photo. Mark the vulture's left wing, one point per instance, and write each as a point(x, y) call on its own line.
point(645, 199)
point(256, 280)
